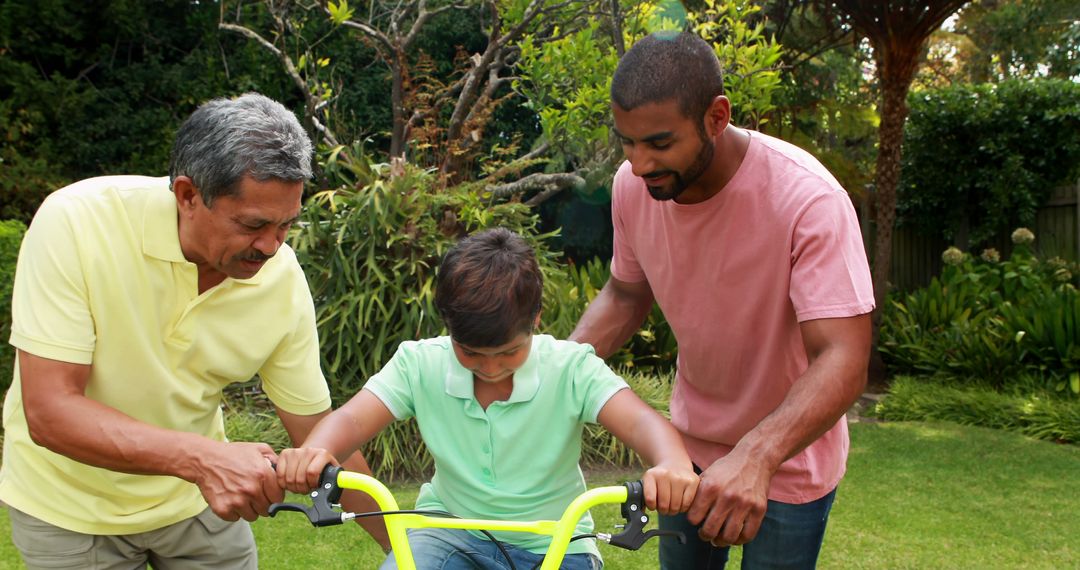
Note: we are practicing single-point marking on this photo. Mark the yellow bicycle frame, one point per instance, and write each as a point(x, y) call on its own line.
point(560, 531)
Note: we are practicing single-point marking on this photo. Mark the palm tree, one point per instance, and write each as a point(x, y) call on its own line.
point(897, 31)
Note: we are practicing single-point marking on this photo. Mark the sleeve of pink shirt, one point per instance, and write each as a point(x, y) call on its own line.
point(624, 266)
point(829, 274)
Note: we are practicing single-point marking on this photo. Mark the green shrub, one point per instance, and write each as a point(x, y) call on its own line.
point(963, 169)
point(990, 319)
point(11, 233)
point(1038, 414)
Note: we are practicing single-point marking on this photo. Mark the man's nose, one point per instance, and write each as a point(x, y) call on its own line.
point(641, 161)
point(269, 241)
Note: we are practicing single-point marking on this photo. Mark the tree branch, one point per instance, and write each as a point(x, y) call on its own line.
point(312, 102)
point(548, 184)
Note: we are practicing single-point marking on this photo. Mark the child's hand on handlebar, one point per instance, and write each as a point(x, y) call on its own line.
point(670, 489)
point(298, 469)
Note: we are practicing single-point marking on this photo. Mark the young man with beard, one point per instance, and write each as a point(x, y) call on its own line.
point(753, 252)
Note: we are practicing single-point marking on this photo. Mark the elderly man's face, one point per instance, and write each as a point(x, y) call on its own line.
point(236, 235)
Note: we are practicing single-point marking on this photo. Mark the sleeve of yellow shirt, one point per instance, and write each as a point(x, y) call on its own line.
point(51, 315)
point(292, 377)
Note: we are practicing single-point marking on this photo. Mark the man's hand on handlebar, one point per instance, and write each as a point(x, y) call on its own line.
point(237, 479)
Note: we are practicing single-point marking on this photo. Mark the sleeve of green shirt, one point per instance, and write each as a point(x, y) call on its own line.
point(393, 385)
point(594, 384)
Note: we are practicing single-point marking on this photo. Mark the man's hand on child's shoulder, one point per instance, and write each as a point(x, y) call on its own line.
point(298, 469)
point(670, 489)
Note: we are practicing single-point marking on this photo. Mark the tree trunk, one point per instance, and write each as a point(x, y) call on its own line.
point(397, 104)
point(890, 138)
point(895, 72)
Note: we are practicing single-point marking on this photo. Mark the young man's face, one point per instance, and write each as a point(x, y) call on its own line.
point(238, 234)
point(664, 147)
point(494, 364)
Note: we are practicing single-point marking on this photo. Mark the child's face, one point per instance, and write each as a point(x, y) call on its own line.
point(497, 363)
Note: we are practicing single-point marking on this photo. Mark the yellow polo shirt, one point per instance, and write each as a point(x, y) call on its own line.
point(101, 280)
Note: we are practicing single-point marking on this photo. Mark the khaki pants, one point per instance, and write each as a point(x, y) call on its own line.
point(199, 543)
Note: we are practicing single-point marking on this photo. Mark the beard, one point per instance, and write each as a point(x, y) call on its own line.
point(682, 180)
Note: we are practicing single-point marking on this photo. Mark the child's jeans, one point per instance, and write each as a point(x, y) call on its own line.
point(456, 549)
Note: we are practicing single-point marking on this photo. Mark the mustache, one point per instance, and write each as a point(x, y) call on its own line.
point(658, 173)
point(258, 257)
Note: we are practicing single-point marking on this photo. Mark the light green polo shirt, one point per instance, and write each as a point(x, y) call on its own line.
point(101, 280)
point(518, 460)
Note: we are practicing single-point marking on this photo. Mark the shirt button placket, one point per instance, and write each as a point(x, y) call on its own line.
point(486, 448)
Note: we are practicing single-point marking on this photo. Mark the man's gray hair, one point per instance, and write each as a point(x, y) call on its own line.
point(225, 140)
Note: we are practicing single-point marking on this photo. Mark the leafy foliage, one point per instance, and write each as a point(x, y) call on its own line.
point(1035, 414)
point(980, 159)
point(11, 233)
point(990, 320)
point(749, 57)
point(572, 107)
point(91, 88)
point(998, 40)
point(652, 348)
point(826, 106)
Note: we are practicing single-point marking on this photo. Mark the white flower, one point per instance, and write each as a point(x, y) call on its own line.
point(1023, 235)
point(991, 255)
point(952, 256)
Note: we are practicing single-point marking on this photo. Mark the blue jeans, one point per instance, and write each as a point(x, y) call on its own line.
point(789, 538)
point(455, 549)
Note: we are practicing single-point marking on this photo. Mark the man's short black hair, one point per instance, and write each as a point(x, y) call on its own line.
point(489, 289)
point(667, 66)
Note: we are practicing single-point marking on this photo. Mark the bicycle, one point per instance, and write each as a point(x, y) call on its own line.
point(334, 480)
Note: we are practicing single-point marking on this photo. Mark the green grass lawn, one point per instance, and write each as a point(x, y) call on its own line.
point(917, 495)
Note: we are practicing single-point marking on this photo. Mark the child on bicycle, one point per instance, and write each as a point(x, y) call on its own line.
point(501, 410)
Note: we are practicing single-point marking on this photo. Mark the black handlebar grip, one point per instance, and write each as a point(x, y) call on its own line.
point(328, 481)
point(323, 498)
point(633, 536)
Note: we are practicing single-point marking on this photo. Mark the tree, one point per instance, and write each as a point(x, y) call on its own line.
point(897, 31)
point(826, 102)
point(92, 88)
point(442, 120)
point(748, 55)
point(995, 40)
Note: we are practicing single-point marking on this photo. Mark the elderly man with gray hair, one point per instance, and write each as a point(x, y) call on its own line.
point(133, 307)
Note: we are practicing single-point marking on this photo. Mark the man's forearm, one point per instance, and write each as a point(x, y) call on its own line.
point(817, 400)
point(90, 432)
point(610, 320)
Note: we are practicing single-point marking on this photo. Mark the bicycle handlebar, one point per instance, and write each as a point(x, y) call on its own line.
point(334, 479)
point(323, 498)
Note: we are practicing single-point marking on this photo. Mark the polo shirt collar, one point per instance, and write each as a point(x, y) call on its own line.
point(459, 380)
point(161, 234)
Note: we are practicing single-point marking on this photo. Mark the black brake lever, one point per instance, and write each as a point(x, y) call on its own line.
point(633, 510)
point(323, 498)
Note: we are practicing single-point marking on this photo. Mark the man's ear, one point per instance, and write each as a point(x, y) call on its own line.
point(536, 323)
point(717, 116)
point(187, 195)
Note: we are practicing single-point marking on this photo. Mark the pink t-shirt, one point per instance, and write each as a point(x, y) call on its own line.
point(735, 275)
